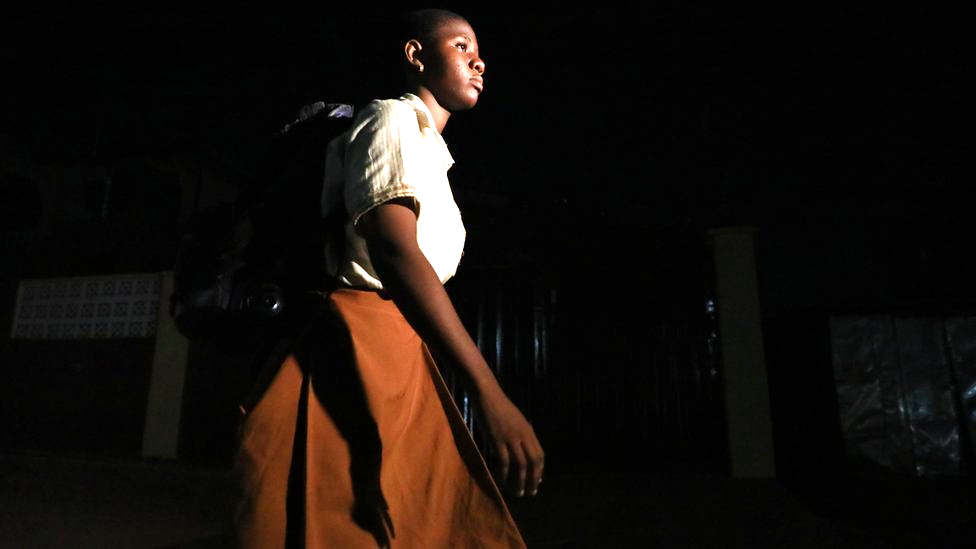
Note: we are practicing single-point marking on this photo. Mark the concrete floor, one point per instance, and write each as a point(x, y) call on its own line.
point(59, 501)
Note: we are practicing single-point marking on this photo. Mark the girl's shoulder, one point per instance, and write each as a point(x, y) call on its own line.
point(394, 118)
point(388, 108)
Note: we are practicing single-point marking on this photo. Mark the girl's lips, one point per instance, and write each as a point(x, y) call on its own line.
point(478, 83)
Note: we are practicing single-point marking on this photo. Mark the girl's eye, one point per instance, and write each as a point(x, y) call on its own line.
point(461, 46)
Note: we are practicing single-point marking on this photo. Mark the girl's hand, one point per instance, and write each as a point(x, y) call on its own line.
point(391, 235)
point(516, 447)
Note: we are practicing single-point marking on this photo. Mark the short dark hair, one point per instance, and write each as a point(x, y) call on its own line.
point(424, 24)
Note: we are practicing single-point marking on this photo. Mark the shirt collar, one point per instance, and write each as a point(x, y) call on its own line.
point(424, 118)
point(421, 108)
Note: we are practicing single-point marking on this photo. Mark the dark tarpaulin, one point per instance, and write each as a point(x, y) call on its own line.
point(904, 387)
point(961, 335)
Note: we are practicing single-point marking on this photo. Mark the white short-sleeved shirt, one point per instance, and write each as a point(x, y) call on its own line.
point(393, 150)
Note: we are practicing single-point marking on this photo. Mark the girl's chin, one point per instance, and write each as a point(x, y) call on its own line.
point(460, 106)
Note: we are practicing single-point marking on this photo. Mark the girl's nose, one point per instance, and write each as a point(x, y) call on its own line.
point(478, 65)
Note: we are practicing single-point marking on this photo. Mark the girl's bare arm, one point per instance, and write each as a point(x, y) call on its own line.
point(390, 231)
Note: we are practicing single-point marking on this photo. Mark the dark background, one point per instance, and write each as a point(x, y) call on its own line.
point(608, 141)
point(843, 100)
point(845, 121)
point(642, 111)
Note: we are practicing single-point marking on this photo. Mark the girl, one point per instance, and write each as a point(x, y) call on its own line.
point(356, 442)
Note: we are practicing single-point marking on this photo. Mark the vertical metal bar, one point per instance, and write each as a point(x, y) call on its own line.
point(548, 313)
point(480, 328)
point(499, 329)
point(539, 333)
point(106, 198)
point(515, 335)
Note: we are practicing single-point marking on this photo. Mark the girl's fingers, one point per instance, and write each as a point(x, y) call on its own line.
point(537, 463)
point(522, 462)
point(503, 461)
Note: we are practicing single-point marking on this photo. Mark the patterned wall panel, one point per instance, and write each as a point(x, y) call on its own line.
point(97, 307)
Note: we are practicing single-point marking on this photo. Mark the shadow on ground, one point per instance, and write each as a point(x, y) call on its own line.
point(72, 502)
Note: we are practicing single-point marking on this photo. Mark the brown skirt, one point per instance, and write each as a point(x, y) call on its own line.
point(357, 443)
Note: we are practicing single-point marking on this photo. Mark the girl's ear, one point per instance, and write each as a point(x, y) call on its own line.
point(412, 51)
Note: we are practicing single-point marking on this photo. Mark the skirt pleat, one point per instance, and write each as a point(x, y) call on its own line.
point(356, 442)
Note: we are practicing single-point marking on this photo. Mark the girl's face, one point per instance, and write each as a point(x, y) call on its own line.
point(453, 71)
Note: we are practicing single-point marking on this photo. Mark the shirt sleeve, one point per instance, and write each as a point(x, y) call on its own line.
point(378, 158)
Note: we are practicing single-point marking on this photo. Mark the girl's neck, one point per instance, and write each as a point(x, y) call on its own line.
point(437, 112)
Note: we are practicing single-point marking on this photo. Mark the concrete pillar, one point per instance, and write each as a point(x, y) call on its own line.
point(740, 332)
point(162, 428)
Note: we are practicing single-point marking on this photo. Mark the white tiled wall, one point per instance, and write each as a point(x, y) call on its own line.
point(97, 307)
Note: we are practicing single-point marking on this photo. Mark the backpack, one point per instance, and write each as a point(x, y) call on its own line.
point(242, 272)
